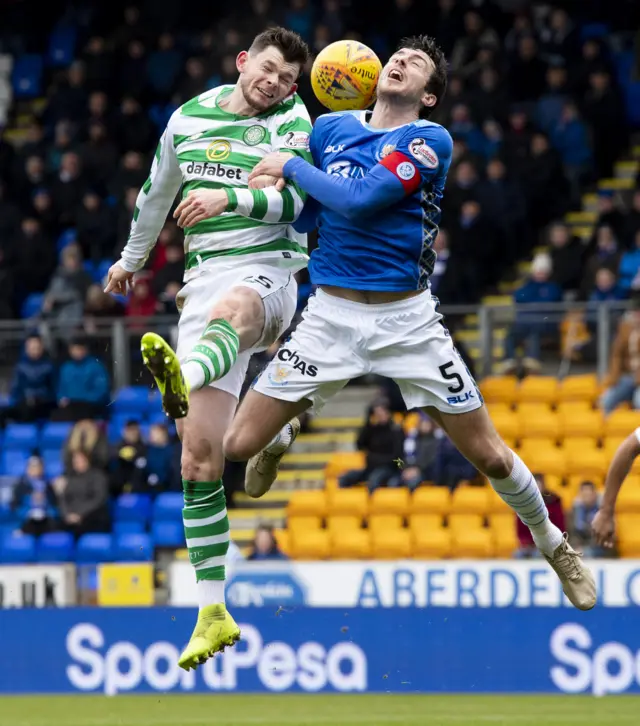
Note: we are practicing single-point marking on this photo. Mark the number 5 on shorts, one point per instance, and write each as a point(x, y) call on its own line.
point(444, 370)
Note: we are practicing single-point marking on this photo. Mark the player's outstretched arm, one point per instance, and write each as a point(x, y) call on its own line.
point(603, 523)
point(153, 203)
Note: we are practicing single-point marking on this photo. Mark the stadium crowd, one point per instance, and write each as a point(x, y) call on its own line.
point(537, 111)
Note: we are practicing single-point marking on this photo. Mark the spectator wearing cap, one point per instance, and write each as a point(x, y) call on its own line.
point(83, 385)
point(530, 327)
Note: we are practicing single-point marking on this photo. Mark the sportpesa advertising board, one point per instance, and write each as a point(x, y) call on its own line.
point(442, 650)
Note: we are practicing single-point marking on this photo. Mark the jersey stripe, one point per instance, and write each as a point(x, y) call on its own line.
point(193, 259)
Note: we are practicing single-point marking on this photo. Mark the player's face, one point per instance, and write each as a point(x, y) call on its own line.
point(266, 78)
point(405, 76)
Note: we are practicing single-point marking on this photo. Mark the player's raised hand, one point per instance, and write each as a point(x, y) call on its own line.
point(200, 204)
point(264, 180)
point(604, 528)
point(272, 165)
point(117, 279)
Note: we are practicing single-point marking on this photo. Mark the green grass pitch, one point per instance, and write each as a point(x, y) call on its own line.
point(319, 710)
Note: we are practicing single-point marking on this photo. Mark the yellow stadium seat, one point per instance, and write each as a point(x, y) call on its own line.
point(579, 388)
point(309, 502)
point(431, 500)
point(351, 544)
point(398, 418)
point(458, 522)
point(567, 497)
point(354, 501)
point(628, 500)
point(579, 443)
point(411, 421)
point(629, 543)
point(499, 409)
point(470, 500)
point(627, 523)
point(390, 501)
point(304, 521)
point(507, 424)
point(496, 504)
point(502, 521)
point(283, 539)
point(581, 424)
point(587, 463)
point(573, 408)
point(548, 461)
point(425, 521)
point(391, 544)
point(539, 425)
point(621, 423)
point(473, 543)
point(533, 408)
point(538, 389)
point(505, 542)
point(381, 522)
point(575, 480)
point(532, 447)
point(311, 544)
point(343, 522)
point(344, 461)
point(611, 445)
point(499, 389)
point(431, 544)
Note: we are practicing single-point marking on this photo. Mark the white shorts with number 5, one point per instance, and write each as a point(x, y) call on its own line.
point(338, 340)
point(276, 286)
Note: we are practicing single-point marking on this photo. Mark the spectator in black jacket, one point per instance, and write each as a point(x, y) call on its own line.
point(382, 441)
point(33, 388)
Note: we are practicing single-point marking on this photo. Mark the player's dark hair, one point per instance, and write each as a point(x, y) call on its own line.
point(437, 84)
point(290, 44)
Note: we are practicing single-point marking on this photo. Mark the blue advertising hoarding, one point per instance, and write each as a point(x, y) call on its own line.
point(440, 650)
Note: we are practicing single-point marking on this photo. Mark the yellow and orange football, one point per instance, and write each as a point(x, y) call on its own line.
point(344, 76)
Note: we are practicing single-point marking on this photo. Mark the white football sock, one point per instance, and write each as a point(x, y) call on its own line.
point(281, 441)
point(521, 492)
point(193, 374)
point(210, 592)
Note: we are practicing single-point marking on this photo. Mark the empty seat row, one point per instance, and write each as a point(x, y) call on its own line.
point(358, 544)
point(543, 389)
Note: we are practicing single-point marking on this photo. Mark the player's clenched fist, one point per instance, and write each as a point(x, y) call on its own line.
point(117, 279)
point(604, 528)
point(200, 204)
point(272, 164)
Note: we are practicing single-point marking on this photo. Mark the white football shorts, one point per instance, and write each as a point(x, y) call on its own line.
point(279, 292)
point(338, 340)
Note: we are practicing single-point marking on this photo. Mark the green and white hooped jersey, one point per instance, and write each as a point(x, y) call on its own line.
point(205, 147)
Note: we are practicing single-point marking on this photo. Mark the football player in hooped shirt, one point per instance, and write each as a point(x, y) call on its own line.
point(377, 183)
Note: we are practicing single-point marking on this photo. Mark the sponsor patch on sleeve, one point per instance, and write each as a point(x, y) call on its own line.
point(420, 150)
point(404, 169)
point(297, 140)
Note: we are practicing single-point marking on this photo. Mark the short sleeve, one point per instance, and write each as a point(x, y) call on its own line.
point(425, 149)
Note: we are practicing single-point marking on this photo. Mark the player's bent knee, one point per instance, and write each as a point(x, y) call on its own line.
point(200, 462)
point(239, 446)
point(495, 462)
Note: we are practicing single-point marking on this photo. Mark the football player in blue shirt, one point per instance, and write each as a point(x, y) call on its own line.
point(377, 184)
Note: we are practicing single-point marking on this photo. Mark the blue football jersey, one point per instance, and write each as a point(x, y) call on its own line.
point(390, 249)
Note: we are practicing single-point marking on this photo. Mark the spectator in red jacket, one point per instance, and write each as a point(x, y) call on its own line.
point(527, 547)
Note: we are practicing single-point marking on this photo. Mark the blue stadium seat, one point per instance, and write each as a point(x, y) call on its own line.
point(14, 463)
point(133, 548)
point(26, 77)
point(22, 437)
point(133, 508)
point(168, 534)
point(55, 547)
point(53, 463)
point(94, 548)
point(131, 399)
point(18, 549)
point(62, 46)
point(6, 492)
point(102, 268)
point(126, 527)
point(7, 529)
point(66, 238)
point(54, 435)
point(32, 305)
point(168, 507)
